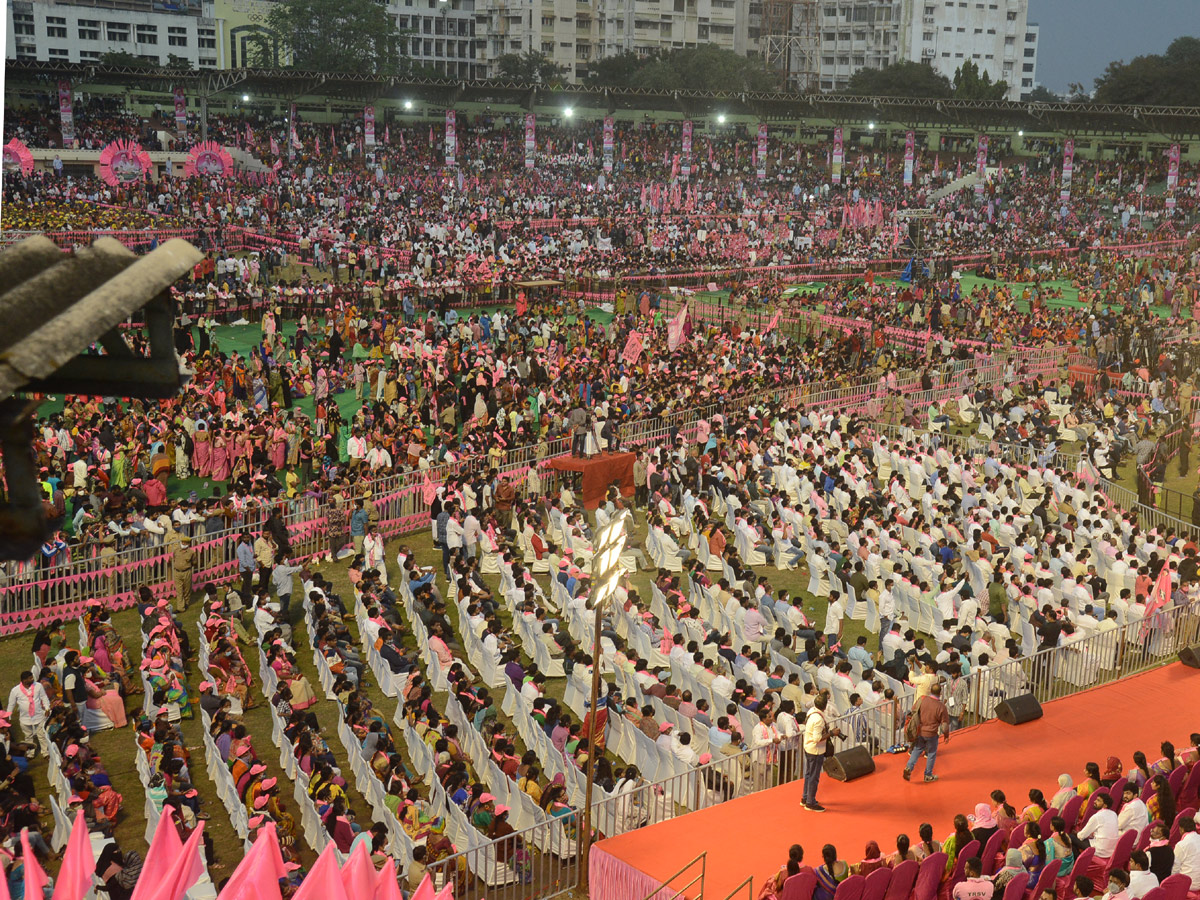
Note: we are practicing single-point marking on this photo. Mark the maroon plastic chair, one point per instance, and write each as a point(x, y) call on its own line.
point(929, 876)
point(946, 888)
point(1065, 886)
point(1101, 866)
point(850, 889)
point(1190, 795)
point(1176, 887)
point(1155, 894)
point(1144, 838)
point(1070, 812)
point(801, 885)
point(1044, 822)
point(877, 884)
point(1175, 832)
point(903, 878)
point(1147, 789)
point(1045, 880)
point(1089, 808)
point(990, 851)
point(1117, 792)
point(1176, 779)
point(1015, 889)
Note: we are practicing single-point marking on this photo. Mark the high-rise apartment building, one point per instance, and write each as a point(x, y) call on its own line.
point(819, 44)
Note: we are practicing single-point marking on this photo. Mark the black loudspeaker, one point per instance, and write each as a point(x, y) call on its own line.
point(1019, 710)
point(849, 764)
point(1190, 656)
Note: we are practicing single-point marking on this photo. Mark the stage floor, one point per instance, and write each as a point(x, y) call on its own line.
point(751, 835)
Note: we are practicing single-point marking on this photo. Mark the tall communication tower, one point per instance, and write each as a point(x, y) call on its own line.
point(791, 42)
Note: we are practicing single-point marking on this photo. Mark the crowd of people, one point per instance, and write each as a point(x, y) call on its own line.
point(1040, 847)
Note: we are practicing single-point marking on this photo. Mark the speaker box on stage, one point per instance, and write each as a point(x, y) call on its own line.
point(849, 764)
point(1019, 710)
point(1190, 656)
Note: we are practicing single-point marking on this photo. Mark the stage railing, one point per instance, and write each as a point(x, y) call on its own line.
point(1078, 665)
point(534, 863)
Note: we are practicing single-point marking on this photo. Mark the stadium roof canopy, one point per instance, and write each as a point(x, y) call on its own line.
point(1068, 118)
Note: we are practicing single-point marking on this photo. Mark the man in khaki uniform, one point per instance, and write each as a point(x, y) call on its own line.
point(183, 563)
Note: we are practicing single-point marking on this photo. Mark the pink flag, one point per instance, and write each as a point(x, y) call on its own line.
point(274, 147)
point(774, 323)
point(186, 870)
point(318, 143)
point(75, 876)
point(424, 890)
point(164, 847)
point(387, 134)
point(324, 881)
point(633, 348)
point(1160, 596)
point(249, 135)
point(35, 876)
point(446, 893)
point(675, 329)
point(358, 874)
point(257, 875)
point(386, 886)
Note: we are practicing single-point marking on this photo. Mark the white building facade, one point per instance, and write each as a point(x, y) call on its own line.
point(83, 33)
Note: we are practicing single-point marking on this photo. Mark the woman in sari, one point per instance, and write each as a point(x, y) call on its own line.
point(417, 824)
point(1066, 791)
point(902, 854)
point(1058, 845)
point(1033, 851)
point(105, 708)
point(772, 889)
point(959, 839)
point(202, 450)
point(872, 860)
point(1090, 782)
point(830, 873)
point(1112, 771)
point(1014, 867)
point(1161, 806)
point(109, 650)
point(165, 679)
point(1036, 808)
point(302, 693)
point(1140, 773)
point(230, 671)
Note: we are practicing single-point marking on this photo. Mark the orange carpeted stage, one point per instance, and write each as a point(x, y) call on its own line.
point(751, 835)
point(598, 472)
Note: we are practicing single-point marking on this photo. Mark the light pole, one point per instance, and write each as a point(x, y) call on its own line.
point(606, 571)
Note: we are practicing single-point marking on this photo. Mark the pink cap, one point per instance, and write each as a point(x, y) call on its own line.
point(205, 685)
point(260, 802)
point(664, 727)
point(269, 783)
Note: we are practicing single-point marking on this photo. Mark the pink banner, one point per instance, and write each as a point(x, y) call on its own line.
point(981, 154)
point(530, 139)
point(685, 166)
point(910, 144)
point(1068, 168)
point(1172, 174)
point(451, 138)
point(838, 157)
point(66, 113)
point(180, 110)
point(369, 126)
point(762, 151)
point(633, 348)
point(608, 144)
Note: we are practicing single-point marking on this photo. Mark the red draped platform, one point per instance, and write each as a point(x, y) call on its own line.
point(599, 472)
point(751, 835)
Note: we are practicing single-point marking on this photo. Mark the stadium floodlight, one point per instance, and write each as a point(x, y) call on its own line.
point(1021, 132)
point(870, 126)
point(408, 104)
point(568, 112)
point(721, 119)
point(245, 98)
